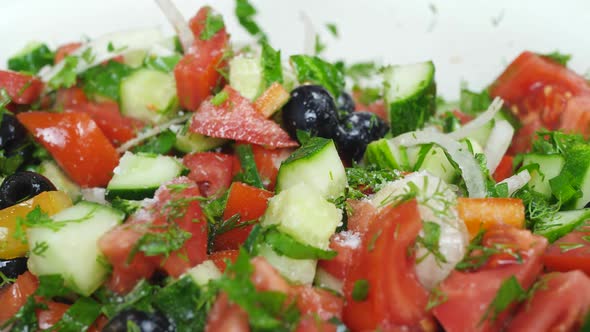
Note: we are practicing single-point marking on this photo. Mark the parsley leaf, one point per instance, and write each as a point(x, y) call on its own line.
point(361, 70)
point(31, 59)
point(165, 64)
point(436, 298)
point(4, 280)
point(171, 239)
point(249, 174)
point(245, 13)
point(26, 318)
point(104, 80)
point(360, 290)
point(333, 29)
point(316, 70)
point(509, 292)
point(272, 69)
point(66, 77)
point(556, 142)
point(558, 57)
point(79, 316)
point(430, 241)
point(35, 218)
point(52, 285)
point(213, 23)
point(472, 102)
point(219, 98)
point(319, 46)
point(160, 144)
point(285, 245)
point(139, 298)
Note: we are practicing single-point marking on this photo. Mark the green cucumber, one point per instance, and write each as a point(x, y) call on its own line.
point(386, 155)
point(410, 95)
point(192, 142)
point(245, 75)
point(296, 270)
point(72, 250)
point(50, 170)
point(549, 167)
point(138, 176)
point(202, 273)
point(316, 164)
point(560, 223)
point(434, 160)
point(149, 95)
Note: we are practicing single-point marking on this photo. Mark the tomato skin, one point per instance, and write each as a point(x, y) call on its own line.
point(76, 143)
point(48, 318)
point(468, 294)
point(119, 242)
point(13, 297)
point(249, 203)
point(226, 316)
point(237, 119)
point(268, 162)
point(266, 278)
point(317, 302)
point(395, 297)
point(576, 117)
point(504, 169)
point(346, 254)
point(312, 324)
point(560, 305)
point(219, 258)
point(21, 88)
point(212, 171)
point(197, 73)
point(65, 50)
point(571, 252)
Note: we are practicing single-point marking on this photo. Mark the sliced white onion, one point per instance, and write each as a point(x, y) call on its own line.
point(498, 143)
point(516, 181)
point(470, 170)
point(152, 132)
point(479, 121)
point(123, 42)
point(308, 34)
point(96, 195)
point(185, 34)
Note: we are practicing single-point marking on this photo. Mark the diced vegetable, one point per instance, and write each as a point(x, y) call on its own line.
point(549, 166)
point(271, 100)
point(31, 58)
point(484, 213)
point(192, 142)
point(561, 223)
point(50, 170)
point(245, 75)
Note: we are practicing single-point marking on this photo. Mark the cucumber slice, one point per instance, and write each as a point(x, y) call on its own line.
point(245, 75)
point(138, 176)
point(386, 155)
point(317, 165)
point(202, 273)
point(193, 142)
point(50, 170)
point(549, 167)
point(296, 270)
point(149, 95)
point(435, 162)
point(561, 223)
point(72, 250)
point(324, 279)
point(410, 94)
point(134, 58)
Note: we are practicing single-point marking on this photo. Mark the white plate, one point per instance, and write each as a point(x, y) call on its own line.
point(469, 40)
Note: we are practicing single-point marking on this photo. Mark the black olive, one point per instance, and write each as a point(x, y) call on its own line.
point(145, 321)
point(356, 132)
point(13, 267)
point(12, 133)
point(21, 186)
point(345, 103)
point(312, 109)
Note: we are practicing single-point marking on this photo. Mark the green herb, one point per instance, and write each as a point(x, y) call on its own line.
point(314, 69)
point(10, 164)
point(558, 57)
point(430, 241)
point(285, 245)
point(4, 280)
point(164, 64)
point(272, 69)
point(35, 218)
point(104, 80)
point(477, 254)
point(333, 29)
point(362, 70)
point(249, 174)
point(88, 56)
point(253, 239)
point(368, 95)
point(319, 46)
point(66, 77)
point(556, 142)
point(360, 290)
point(139, 298)
point(245, 13)
point(563, 187)
point(219, 98)
point(171, 239)
point(31, 59)
point(509, 292)
point(159, 144)
point(436, 298)
point(79, 316)
point(40, 248)
point(111, 48)
point(26, 318)
point(472, 102)
point(213, 23)
point(568, 246)
point(127, 206)
point(132, 326)
point(52, 285)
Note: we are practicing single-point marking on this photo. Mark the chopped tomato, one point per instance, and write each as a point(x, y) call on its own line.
point(65, 98)
point(483, 213)
point(266, 278)
point(467, 295)
point(50, 316)
point(199, 71)
point(226, 316)
point(377, 107)
point(394, 296)
point(312, 324)
point(212, 171)
point(317, 302)
point(268, 162)
point(571, 252)
point(21, 88)
point(362, 218)
point(175, 203)
point(345, 244)
point(13, 297)
point(249, 203)
point(559, 304)
point(576, 118)
point(76, 143)
point(463, 117)
point(220, 258)
point(65, 50)
point(237, 119)
point(504, 169)
point(522, 140)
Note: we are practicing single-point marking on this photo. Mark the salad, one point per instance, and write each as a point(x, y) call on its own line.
point(185, 183)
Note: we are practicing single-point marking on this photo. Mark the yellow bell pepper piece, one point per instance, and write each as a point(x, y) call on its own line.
point(51, 202)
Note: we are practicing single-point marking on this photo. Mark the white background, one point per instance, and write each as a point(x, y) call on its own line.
point(469, 40)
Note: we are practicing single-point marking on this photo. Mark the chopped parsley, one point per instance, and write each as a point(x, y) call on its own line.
point(509, 292)
point(362, 70)
point(319, 46)
point(285, 245)
point(558, 57)
point(104, 80)
point(430, 241)
point(213, 23)
point(436, 298)
point(360, 290)
point(32, 58)
point(316, 70)
point(219, 98)
point(159, 144)
point(4, 280)
point(164, 64)
point(249, 174)
point(246, 13)
point(66, 77)
point(272, 69)
point(333, 29)
point(478, 255)
point(156, 243)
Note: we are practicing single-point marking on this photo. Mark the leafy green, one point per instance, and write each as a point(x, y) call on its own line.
point(309, 148)
point(318, 46)
point(219, 98)
point(170, 239)
point(246, 13)
point(165, 64)
point(25, 319)
point(555, 142)
point(285, 245)
point(249, 174)
point(52, 285)
point(31, 59)
point(509, 292)
point(272, 69)
point(558, 57)
point(360, 290)
point(213, 23)
point(537, 208)
point(104, 80)
point(66, 77)
point(125, 205)
point(361, 70)
point(139, 297)
point(10, 163)
point(35, 218)
point(314, 69)
point(430, 241)
point(4, 280)
point(333, 29)
point(436, 298)
point(159, 144)
point(472, 102)
point(79, 316)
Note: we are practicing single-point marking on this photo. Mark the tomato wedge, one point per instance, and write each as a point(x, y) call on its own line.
point(21, 88)
point(65, 50)
point(571, 252)
point(237, 119)
point(226, 316)
point(220, 258)
point(13, 297)
point(76, 143)
point(212, 171)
